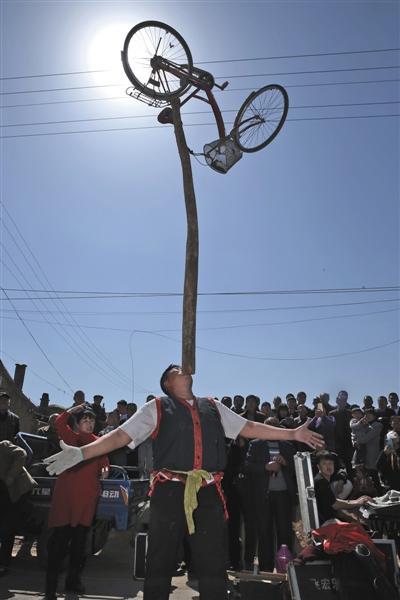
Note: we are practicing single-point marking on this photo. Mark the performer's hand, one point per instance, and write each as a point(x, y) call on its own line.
point(67, 458)
point(306, 436)
point(362, 500)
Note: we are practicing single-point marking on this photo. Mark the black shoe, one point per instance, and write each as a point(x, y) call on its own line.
point(50, 597)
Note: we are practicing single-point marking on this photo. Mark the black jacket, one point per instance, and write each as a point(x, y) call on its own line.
point(258, 455)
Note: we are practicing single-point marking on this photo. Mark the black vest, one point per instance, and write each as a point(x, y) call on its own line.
point(174, 444)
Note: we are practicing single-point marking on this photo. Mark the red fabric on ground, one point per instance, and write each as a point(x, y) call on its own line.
point(77, 490)
point(344, 537)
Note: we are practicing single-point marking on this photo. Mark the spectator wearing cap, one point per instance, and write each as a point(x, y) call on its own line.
point(327, 503)
point(73, 505)
point(122, 408)
point(9, 422)
point(100, 412)
point(342, 416)
point(367, 430)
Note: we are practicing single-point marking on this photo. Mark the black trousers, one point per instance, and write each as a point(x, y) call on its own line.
point(166, 532)
point(13, 515)
point(65, 540)
point(274, 517)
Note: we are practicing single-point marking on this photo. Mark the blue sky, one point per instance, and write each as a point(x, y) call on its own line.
point(104, 211)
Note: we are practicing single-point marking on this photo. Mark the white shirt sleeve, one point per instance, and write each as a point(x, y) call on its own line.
point(231, 421)
point(142, 424)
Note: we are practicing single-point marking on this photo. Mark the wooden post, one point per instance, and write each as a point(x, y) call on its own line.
point(192, 248)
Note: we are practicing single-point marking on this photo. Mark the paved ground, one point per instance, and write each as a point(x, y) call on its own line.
point(107, 576)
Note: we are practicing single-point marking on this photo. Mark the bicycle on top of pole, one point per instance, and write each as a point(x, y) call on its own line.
point(159, 64)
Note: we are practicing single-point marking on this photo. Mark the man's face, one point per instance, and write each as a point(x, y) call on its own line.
point(86, 424)
point(251, 404)
point(370, 417)
point(324, 398)
point(266, 410)
point(291, 402)
point(393, 400)
point(301, 398)
point(277, 402)
point(4, 404)
point(382, 402)
point(97, 400)
point(178, 384)
point(122, 409)
point(79, 398)
point(368, 402)
point(238, 402)
point(326, 467)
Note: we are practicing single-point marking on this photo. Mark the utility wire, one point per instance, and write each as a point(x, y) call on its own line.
point(80, 351)
point(30, 370)
point(118, 129)
point(339, 290)
point(123, 84)
point(81, 334)
point(209, 62)
point(219, 327)
point(200, 112)
point(36, 342)
point(209, 311)
point(248, 89)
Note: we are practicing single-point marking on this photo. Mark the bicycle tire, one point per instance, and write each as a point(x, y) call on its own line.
point(142, 86)
point(238, 134)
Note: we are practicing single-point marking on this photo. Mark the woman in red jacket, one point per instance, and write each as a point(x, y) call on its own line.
point(74, 502)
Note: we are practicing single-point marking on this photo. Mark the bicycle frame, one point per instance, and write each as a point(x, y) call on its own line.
point(159, 63)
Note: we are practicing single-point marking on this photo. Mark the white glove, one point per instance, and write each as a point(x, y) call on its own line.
point(67, 458)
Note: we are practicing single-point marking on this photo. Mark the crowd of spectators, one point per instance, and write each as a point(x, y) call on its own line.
point(362, 459)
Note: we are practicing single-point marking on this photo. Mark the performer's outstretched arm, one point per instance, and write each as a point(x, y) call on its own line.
point(268, 432)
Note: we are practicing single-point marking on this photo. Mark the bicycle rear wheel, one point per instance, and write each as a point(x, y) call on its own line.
point(144, 42)
point(260, 118)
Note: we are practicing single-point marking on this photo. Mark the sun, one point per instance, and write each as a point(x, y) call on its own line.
point(104, 53)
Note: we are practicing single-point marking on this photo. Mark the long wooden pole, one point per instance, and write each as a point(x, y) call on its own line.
point(192, 248)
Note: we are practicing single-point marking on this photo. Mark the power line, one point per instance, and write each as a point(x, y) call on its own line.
point(211, 311)
point(209, 62)
point(123, 84)
point(36, 342)
point(30, 370)
point(80, 351)
point(118, 129)
point(296, 291)
point(81, 334)
point(219, 327)
point(201, 112)
point(248, 89)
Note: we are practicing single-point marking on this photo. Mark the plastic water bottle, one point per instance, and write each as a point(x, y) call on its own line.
point(282, 558)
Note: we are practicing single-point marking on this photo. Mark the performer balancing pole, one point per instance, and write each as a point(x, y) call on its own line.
point(192, 247)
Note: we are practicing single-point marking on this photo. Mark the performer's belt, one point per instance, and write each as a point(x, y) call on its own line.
point(193, 481)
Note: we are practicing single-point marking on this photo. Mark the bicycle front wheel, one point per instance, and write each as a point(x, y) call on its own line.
point(152, 39)
point(260, 118)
